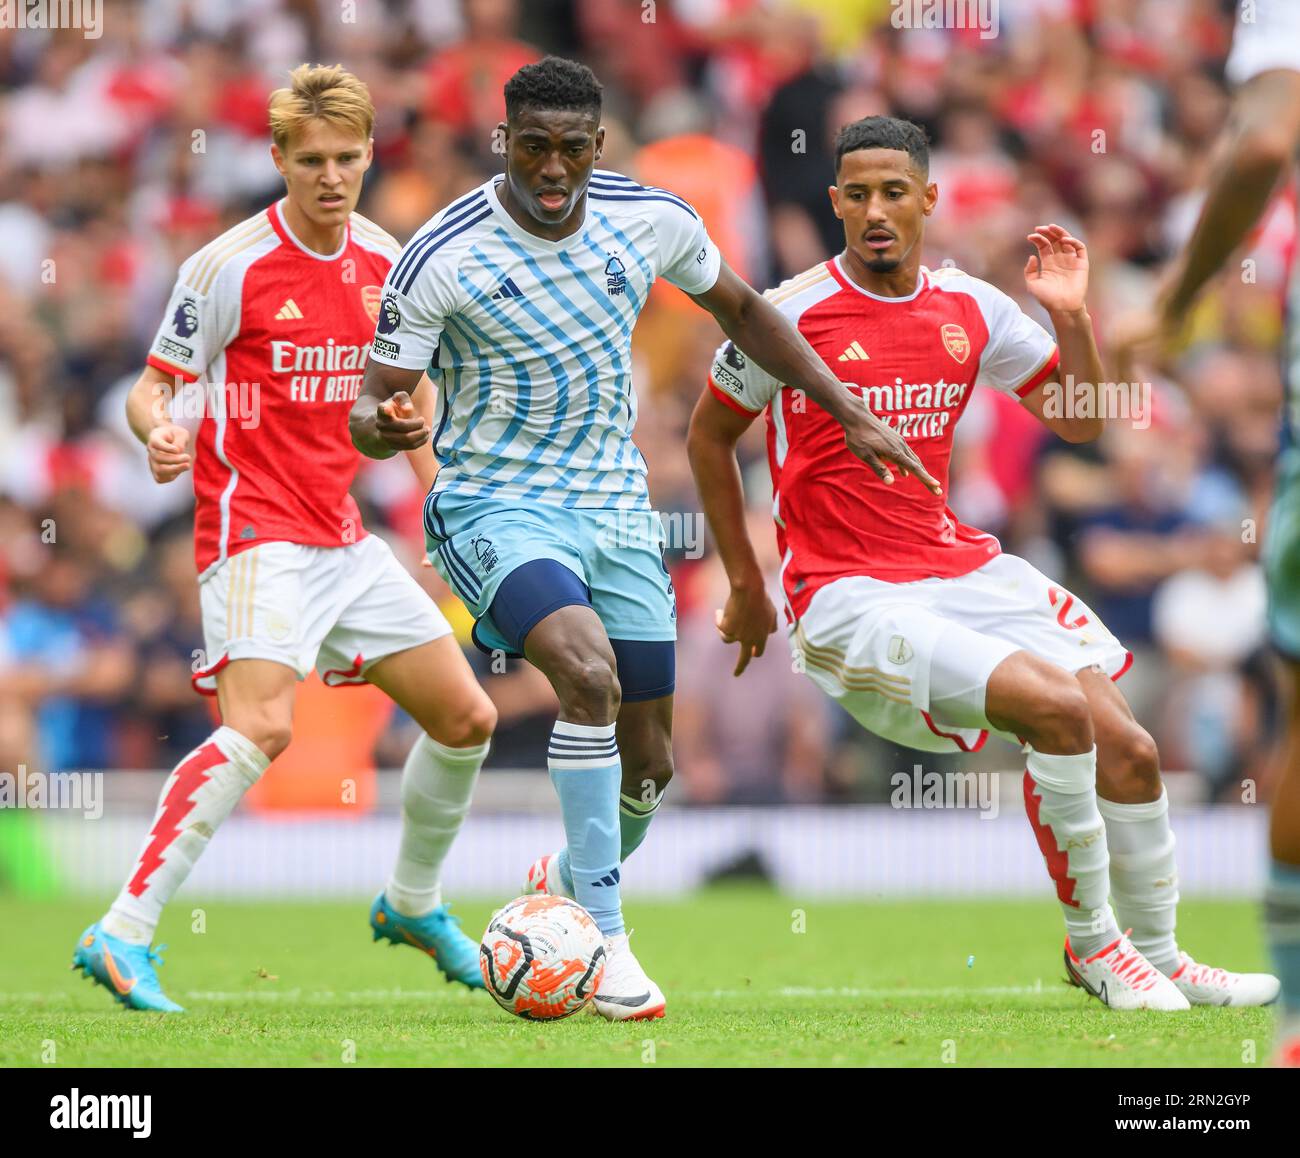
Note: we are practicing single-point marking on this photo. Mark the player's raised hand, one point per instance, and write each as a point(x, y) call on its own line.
point(169, 456)
point(400, 424)
point(1057, 272)
point(879, 445)
point(748, 619)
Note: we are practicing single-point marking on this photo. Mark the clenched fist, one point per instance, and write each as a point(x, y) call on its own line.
point(399, 424)
point(169, 456)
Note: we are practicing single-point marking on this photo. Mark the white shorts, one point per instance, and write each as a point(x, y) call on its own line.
point(335, 609)
point(911, 661)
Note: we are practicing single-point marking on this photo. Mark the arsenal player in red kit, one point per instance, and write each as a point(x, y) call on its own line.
point(918, 624)
point(274, 318)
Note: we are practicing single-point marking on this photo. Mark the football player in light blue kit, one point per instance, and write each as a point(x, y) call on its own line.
point(520, 298)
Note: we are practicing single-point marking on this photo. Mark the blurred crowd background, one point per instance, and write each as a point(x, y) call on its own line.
point(120, 156)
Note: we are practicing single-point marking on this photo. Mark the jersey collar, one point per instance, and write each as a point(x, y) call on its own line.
point(516, 230)
point(837, 268)
point(281, 226)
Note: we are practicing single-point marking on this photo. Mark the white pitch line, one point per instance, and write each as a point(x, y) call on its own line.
point(327, 996)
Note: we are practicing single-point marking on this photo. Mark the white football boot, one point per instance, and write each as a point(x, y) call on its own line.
point(544, 878)
point(1119, 976)
point(625, 992)
point(1203, 985)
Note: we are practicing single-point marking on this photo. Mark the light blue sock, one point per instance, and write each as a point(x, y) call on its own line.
point(1282, 916)
point(585, 769)
point(634, 817)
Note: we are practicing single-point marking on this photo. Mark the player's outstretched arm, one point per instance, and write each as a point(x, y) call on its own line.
point(383, 419)
point(1057, 276)
point(749, 617)
point(764, 334)
point(148, 413)
point(1257, 146)
point(1265, 130)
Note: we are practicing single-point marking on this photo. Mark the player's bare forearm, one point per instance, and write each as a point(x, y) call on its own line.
point(749, 616)
point(148, 413)
point(1081, 366)
point(764, 334)
point(711, 448)
point(373, 431)
point(422, 461)
point(147, 402)
point(1258, 146)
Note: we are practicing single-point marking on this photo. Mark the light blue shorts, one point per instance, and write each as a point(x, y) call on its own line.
point(475, 542)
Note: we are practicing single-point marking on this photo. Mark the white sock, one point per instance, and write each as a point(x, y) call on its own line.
point(1144, 876)
point(200, 793)
point(1061, 800)
point(437, 783)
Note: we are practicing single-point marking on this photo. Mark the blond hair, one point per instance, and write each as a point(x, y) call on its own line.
point(320, 91)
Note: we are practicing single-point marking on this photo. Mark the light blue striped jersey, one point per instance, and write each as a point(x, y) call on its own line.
point(531, 339)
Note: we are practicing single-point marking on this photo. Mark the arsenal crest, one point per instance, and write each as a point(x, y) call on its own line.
point(370, 299)
point(956, 341)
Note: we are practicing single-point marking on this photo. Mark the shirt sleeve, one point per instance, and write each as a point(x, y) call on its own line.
point(739, 383)
point(687, 255)
point(421, 290)
point(1020, 354)
point(1269, 40)
point(197, 326)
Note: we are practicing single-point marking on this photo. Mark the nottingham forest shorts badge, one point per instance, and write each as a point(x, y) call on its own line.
point(484, 552)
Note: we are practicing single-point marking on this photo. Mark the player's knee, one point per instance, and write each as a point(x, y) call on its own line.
point(469, 729)
point(646, 776)
point(588, 690)
point(1060, 719)
point(272, 732)
point(1132, 764)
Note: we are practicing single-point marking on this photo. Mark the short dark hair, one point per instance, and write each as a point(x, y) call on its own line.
point(553, 83)
point(884, 133)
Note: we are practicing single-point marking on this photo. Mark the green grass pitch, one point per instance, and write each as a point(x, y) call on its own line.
point(870, 983)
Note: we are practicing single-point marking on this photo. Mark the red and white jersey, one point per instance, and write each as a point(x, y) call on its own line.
point(915, 361)
point(279, 335)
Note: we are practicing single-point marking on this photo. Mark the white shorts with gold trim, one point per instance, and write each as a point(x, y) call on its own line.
point(335, 609)
point(911, 661)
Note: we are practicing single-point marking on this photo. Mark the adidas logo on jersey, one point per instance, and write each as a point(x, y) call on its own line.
point(506, 290)
point(289, 311)
point(854, 352)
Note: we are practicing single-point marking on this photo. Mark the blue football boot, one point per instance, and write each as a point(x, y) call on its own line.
point(437, 933)
point(125, 970)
